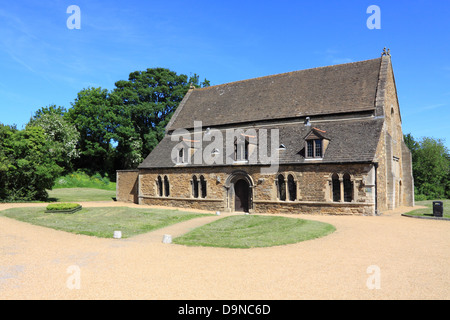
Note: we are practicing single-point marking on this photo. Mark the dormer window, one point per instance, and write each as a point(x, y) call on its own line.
point(314, 148)
point(181, 155)
point(316, 144)
point(241, 150)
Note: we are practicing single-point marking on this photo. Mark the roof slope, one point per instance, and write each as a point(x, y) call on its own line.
point(342, 88)
point(349, 141)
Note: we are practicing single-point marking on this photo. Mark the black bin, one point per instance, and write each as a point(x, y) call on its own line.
point(438, 208)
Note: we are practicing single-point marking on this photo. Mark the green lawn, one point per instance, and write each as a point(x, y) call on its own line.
point(428, 212)
point(249, 231)
point(102, 222)
point(80, 195)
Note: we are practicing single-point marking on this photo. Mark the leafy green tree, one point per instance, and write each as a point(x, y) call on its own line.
point(93, 115)
point(62, 135)
point(27, 168)
point(431, 166)
point(144, 106)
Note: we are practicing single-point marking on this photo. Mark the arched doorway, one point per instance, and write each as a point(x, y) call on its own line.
point(239, 192)
point(241, 195)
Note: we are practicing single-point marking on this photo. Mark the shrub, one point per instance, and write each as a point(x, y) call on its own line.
point(80, 179)
point(420, 197)
point(27, 168)
point(62, 206)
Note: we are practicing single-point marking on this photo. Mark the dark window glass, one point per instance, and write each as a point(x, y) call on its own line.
point(318, 148)
point(166, 186)
point(336, 188)
point(310, 148)
point(281, 188)
point(195, 187)
point(246, 150)
point(160, 186)
point(292, 188)
point(203, 186)
point(348, 188)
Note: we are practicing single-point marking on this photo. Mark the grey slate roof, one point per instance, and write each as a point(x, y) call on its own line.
point(334, 89)
point(349, 141)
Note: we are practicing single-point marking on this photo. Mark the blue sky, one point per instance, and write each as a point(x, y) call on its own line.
point(42, 62)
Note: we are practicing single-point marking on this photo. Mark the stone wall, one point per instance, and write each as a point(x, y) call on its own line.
point(395, 183)
point(127, 185)
point(313, 189)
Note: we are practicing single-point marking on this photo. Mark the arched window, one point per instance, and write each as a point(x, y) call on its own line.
point(336, 187)
point(281, 188)
point(159, 186)
point(292, 188)
point(194, 187)
point(348, 188)
point(203, 186)
point(166, 186)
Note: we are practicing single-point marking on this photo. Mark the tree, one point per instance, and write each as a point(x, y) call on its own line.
point(62, 135)
point(431, 166)
point(27, 169)
point(93, 115)
point(144, 106)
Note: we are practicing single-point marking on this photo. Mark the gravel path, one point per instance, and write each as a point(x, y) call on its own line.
point(410, 256)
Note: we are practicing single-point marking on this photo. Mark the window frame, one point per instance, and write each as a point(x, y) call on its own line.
point(314, 144)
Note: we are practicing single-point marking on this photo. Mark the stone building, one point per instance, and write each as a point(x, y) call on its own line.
point(326, 140)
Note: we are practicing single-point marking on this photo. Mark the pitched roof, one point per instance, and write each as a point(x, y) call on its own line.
point(349, 141)
point(350, 87)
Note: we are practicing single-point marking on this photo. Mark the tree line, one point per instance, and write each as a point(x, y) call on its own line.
point(108, 130)
point(102, 131)
point(431, 167)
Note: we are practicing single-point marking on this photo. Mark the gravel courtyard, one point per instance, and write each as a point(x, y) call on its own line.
point(385, 257)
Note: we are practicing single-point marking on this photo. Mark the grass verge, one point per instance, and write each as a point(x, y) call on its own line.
point(79, 179)
point(428, 211)
point(102, 222)
point(80, 195)
point(250, 231)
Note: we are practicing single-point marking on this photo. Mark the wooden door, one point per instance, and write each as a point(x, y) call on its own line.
point(241, 199)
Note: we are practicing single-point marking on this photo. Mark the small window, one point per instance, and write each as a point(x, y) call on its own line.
point(348, 188)
point(314, 148)
point(246, 149)
point(310, 148)
point(336, 188)
point(159, 185)
point(241, 150)
point(203, 186)
point(292, 188)
point(166, 186)
point(281, 188)
point(194, 187)
point(318, 148)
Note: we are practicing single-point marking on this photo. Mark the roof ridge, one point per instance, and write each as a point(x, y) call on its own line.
point(281, 74)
